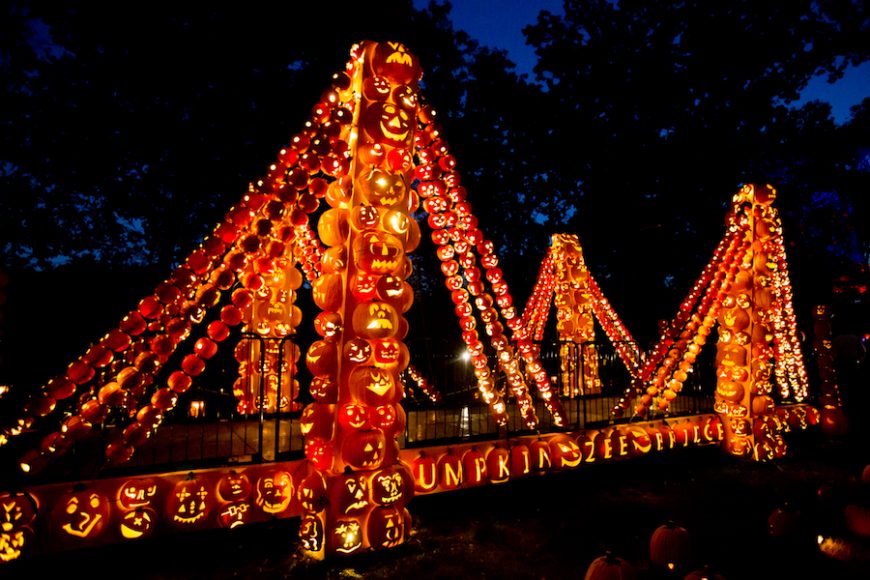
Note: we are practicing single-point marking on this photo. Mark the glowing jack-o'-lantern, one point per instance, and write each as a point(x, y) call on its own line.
point(364, 449)
point(326, 291)
point(669, 546)
point(392, 60)
point(373, 385)
point(354, 416)
point(390, 486)
point(349, 494)
point(317, 420)
point(233, 487)
point(311, 533)
point(385, 527)
point(274, 491)
point(14, 543)
point(312, 492)
point(375, 320)
point(474, 467)
point(84, 514)
point(138, 523)
point(235, 514)
point(17, 509)
point(390, 353)
point(322, 357)
point(450, 473)
point(387, 124)
point(347, 536)
point(564, 452)
point(376, 252)
point(136, 493)
point(357, 350)
point(364, 286)
point(319, 452)
point(424, 468)
point(190, 502)
point(324, 390)
point(383, 189)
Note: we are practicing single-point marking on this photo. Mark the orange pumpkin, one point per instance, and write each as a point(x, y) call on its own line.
point(83, 514)
point(139, 522)
point(424, 468)
point(136, 493)
point(393, 61)
point(190, 502)
point(610, 567)
point(274, 491)
point(385, 527)
point(498, 465)
point(364, 449)
point(669, 546)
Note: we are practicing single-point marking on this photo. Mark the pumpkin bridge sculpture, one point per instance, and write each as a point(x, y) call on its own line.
point(368, 161)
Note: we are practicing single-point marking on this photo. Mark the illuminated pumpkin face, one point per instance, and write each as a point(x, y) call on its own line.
point(347, 536)
point(138, 523)
point(17, 509)
point(322, 358)
point(311, 492)
point(353, 416)
point(405, 97)
point(377, 253)
point(383, 189)
point(384, 417)
point(375, 320)
point(364, 217)
point(392, 60)
point(311, 533)
point(14, 543)
point(564, 452)
point(386, 527)
point(334, 260)
point(274, 491)
point(135, 493)
point(730, 391)
point(319, 452)
point(364, 286)
point(388, 124)
point(372, 385)
point(190, 502)
point(85, 514)
point(349, 494)
point(326, 291)
point(327, 324)
point(388, 486)
point(377, 88)
point(387, 353)
point(234, 514)
point(324, 390)
point(234, 487)
point(364, 449)
point(317, 420)
point(357, 350)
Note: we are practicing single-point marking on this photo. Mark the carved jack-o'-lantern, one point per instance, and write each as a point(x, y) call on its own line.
point(365, 217)
point(317, 420)
point(138, 523)
point(319, 452)
point(730, 391)
point(311, 492)
point(383, 189)
point(376, 252)
point(392, 60)
point(424, 468)
point(364, 449)
point(390, 486)
point(322, 357)
point(233, 487)
point(450, 472)
point(274, 491)
point(354, 416)
point(388, 124)
point(135, 493)
point(349, 494)
point(498, 465)
point(364, 286)
point(390, 353)
point(385, 527)
point(375, 320)
point(311, 533)
point(14, 543)
point(324, 389)
point(17, 509)
point(377, 88)
point(347, 536)
point(373, 385)
point(327, 291)
point(357, 350)
point(564, 452)
point(235, 514)
point(190, 502)
point(84, 514)
point(474, 467)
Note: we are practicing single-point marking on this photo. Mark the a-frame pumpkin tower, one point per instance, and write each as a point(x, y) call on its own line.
point(372, 150)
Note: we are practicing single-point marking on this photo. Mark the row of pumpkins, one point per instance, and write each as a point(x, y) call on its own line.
point(843, 533)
